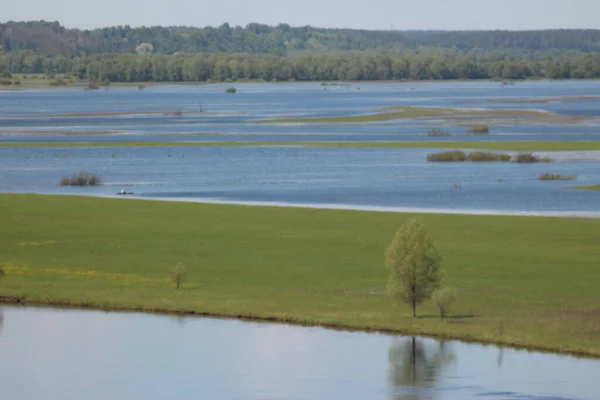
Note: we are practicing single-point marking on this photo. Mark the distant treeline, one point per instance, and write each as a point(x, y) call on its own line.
point(52, 39)
point(328, 67)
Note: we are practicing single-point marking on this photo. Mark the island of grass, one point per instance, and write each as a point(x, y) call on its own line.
point(524, 281)
point(449, 114)
point(479, 129)
point(591, 187)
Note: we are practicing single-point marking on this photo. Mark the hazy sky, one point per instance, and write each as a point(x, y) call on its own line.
point(368, 14)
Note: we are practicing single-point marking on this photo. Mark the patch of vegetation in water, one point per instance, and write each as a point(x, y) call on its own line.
point(484, 156)
point(231, 90)
point(479, 129)
point(556, 177)
point(461, 156)
point(80, 179)
point(437, 132)
point(447, 156)
point(527, 158)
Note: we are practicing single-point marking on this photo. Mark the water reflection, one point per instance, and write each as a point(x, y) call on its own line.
point(500, 358)
point(1, 319)
point(415, 369)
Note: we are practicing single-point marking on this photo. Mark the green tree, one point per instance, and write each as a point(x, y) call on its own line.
point(413, 264)
point(178, 274)
point(443, 299)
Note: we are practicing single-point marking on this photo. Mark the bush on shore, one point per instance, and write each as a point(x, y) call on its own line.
point(57, 82)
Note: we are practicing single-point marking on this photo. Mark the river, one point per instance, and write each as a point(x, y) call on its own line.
point(60, 354)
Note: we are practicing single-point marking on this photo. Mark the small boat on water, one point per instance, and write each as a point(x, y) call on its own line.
point(123, 193)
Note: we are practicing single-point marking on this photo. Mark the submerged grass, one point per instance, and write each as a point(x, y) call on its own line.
point(487, 145)
point(539, 276)
point(399, 113)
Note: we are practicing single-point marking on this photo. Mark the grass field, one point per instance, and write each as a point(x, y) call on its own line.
point(507, 146)
point(522, 280)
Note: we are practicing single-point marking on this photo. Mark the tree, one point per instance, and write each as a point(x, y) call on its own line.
point(2, 273)
point(179, 274)
point(144, 48)
point(413, 264)
point(443, 299)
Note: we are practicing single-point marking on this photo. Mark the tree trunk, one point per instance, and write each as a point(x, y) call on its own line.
point(414, 308)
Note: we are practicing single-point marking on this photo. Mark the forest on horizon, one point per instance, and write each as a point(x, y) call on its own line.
point(52, 39)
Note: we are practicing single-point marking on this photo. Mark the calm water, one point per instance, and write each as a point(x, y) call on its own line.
point(395, 179)
point(235, 117)
point(71, 355)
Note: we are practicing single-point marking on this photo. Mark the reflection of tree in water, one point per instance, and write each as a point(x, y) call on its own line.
point(1, 319)
point(500, 357)
point(412, 366)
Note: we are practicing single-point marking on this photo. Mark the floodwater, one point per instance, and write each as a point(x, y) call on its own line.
point(384, 179)
point(55, 354)
point(35, 114)
point(380, 179)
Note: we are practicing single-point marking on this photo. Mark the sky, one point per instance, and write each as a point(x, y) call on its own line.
point(369, 14)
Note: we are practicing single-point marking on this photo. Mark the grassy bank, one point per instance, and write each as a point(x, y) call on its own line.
point(507, 146)
point(522, 280)
point(591, 187)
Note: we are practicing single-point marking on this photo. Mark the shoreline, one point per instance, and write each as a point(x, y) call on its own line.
point(288, 320)
point(591, 215)
point(81, 84)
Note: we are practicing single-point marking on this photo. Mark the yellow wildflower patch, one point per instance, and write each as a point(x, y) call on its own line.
point(44, 243)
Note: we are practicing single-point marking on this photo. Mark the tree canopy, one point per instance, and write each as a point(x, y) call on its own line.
point(53, 39)
point(413, 264)
point(348, 66)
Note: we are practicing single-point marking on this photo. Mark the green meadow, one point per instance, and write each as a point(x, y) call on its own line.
point(524, 281)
